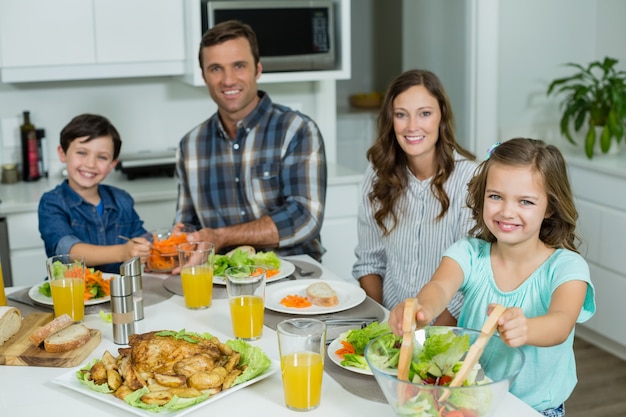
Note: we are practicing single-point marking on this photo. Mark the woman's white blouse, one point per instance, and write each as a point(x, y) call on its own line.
point(407, 257)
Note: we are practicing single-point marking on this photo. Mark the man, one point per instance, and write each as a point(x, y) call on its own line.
point(254, 173)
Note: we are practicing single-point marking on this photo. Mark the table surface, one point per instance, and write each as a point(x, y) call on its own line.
point(27, 391)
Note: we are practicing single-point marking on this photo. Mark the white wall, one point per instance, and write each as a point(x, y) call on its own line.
point(150, 113)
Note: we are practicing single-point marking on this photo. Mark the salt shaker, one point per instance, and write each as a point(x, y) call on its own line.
point(132, 269)
point(122, 308)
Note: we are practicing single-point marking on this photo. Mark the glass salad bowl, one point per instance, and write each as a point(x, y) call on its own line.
point(164, 254)
point(437, 355)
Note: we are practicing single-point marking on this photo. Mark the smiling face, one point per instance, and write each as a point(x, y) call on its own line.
point(515, 204)
point(416, 117)
point(88, 163)
point(230, 75)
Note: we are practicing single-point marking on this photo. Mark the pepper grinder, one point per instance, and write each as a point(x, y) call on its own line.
point(132, 269)
point(122, 309)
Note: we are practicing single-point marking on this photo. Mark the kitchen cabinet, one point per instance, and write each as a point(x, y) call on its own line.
point(596, 186)
point(155, 202)
point(42, 40)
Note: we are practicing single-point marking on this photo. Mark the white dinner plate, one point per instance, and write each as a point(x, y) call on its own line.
point(38, 297)
point(286, 269)
point(349, 296)
point(70, 381)
point(333, 347)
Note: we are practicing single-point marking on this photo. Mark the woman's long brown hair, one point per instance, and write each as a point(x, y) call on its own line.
point(389, 160)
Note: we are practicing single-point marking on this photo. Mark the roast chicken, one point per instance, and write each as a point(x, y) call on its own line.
point(168, 364)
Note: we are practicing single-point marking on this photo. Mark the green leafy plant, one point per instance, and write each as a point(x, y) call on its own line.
point(595, 95)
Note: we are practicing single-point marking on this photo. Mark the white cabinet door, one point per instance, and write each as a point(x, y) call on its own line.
point(139, 30)
point(44, 40)
point(38, 33)
point(156, 214)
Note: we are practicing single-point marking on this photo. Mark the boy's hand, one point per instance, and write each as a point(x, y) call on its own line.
point(137, 246)
point(512, 326)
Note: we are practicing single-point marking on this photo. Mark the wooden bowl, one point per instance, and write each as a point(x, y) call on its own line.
point(366, 101)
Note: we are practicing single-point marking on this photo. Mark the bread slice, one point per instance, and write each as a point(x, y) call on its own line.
point(244, 248)
point(69, 338)
point(321, 294)
point(46, 330)
point(10, 322)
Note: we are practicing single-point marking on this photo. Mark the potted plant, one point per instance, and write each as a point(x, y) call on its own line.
point(595, 95)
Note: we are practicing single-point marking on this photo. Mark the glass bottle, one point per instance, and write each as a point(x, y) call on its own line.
point(3, 296)
point(30, 150)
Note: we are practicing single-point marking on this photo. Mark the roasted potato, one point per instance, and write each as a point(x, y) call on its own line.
point(206, 380)
point(170, 380)
point(185, 392)
point(109, 361)
point(114, 379)
point(157, 397)
point(98, 373)
point(122, 392)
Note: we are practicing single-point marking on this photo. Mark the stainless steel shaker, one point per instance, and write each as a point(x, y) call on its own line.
point(132, 269)
point(122, 308)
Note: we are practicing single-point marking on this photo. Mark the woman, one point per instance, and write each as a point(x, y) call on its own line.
point(413, 194)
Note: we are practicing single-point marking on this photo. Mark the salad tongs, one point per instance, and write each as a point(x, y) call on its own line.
point(476, 350)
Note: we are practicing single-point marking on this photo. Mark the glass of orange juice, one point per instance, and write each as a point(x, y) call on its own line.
point(301, 344)
point(67, 284)
point(196, 273)
point(246, 295)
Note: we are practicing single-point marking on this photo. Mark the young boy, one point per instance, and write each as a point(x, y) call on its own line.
point(83, 217)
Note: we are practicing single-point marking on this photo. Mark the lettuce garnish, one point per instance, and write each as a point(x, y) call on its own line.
point(240, 258)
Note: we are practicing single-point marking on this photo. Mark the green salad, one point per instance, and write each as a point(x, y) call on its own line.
point(436, 362)
point(240, 258)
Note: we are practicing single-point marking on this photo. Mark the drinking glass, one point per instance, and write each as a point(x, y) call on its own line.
point(196, 273)
point(66, 274)
point(301, 344)
point(246, 295)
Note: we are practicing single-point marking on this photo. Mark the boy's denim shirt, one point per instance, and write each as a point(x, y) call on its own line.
point(66, 219)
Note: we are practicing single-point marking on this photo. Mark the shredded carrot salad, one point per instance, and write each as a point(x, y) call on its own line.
point(295, 301)
point(346, 348)
point(96, 286)
point(164, 255)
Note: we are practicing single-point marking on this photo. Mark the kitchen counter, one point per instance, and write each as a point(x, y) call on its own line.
point(27, 390)
point(24, 196)
point(155, 202)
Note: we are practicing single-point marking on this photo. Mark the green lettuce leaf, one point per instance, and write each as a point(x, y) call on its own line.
point(352, 359)
point(256, 360)
point(359, 338)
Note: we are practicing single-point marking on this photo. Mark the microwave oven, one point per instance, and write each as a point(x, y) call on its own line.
point(293, 35)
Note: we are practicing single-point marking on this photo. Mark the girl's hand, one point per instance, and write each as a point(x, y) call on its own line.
point(422, 318)
point(512, 326)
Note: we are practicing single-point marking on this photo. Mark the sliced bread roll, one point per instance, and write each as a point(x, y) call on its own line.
point(10, 322)
point(46, 330)
point(322, 294)
point(69, 338)
point(244, 248)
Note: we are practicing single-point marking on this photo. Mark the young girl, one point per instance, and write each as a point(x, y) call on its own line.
point(523, 257)
point(413, 194)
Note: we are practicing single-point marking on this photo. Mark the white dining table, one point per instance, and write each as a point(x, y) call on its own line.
point(28, 390)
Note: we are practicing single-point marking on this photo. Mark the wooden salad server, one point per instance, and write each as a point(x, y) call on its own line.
point(476, 350)
point(408, 336)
